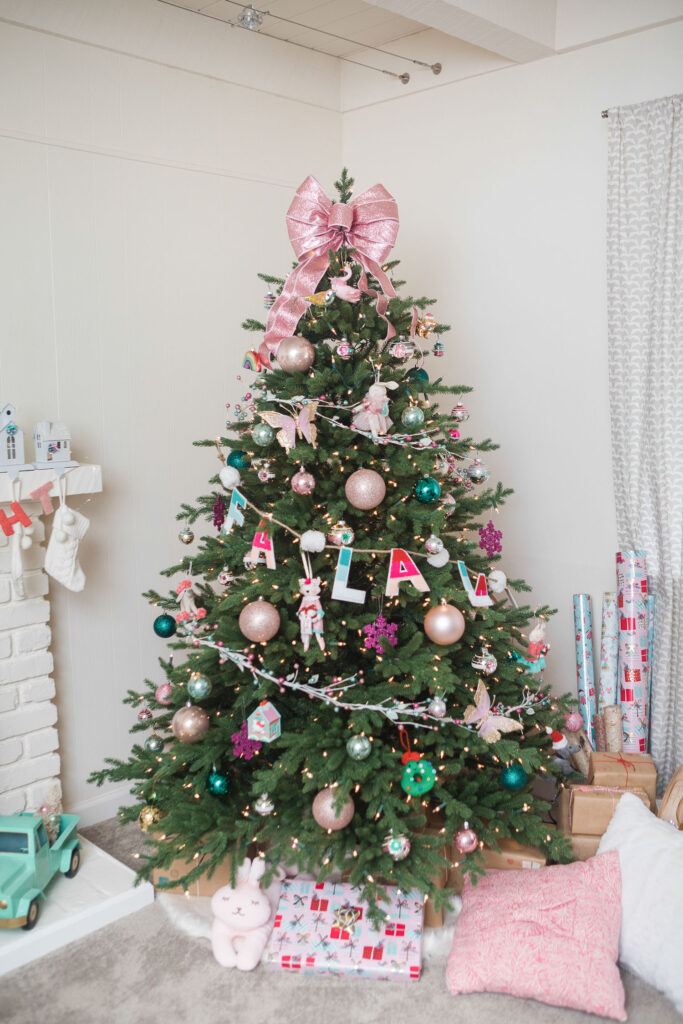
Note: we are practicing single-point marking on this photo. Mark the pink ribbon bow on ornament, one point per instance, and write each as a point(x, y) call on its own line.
point(368, 224)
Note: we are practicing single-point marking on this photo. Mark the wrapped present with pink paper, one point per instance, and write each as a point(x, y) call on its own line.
point(324, 928)
point(634, 628)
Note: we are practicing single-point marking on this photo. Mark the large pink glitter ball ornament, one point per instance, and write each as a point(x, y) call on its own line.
point(325, 813)
point(295, 355)
point(189, 723)
point(444, 624)
point(303, 482)
point(259, 621)
point(466, 839)
point(365, 489)
point(163, 693)
point(573, 721)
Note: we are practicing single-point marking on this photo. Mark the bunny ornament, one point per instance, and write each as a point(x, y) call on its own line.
point(372, 413)
point(242, 919)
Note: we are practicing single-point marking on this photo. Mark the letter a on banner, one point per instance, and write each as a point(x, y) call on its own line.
point(262, 547)
point(402, 569)
point(479, 595)
point(237, 503)
point(341, 591)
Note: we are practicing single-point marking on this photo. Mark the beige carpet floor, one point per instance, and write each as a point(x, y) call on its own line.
point(140, 970)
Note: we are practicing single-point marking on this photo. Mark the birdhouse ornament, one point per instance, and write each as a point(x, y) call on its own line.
point(11, 442)
point(265, 723)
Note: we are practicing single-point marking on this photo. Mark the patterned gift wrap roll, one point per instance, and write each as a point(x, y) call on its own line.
point(609, 651)
point(650, 656)
point(585, 680)
point(633, 649)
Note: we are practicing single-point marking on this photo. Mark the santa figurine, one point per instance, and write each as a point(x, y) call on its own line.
point(372, 413)
point(562, 750)
point(311, 612)
point(188, 605)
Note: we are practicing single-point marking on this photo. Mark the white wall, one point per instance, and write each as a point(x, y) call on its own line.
point(138, 199)
point(501, 184)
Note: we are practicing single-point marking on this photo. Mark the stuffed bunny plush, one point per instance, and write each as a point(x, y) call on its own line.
point(242, 923)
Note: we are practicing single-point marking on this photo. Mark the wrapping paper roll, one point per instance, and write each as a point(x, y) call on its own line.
point(612, 716)
point(599, 732)
point(650, 656)
point(609, 651)
point(585, 679)
point(633, 649)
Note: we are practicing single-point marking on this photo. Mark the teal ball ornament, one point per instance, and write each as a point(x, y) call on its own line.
point(164, 626)
point(218, 784)
point(154, 744)
point(198, 686)
point(412, 417)
point(418, 374)
point(238, 459)
point(513, 778)
point(427, 490)
point(358, 748)
point(262, 434)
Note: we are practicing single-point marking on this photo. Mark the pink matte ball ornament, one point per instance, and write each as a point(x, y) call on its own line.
point(444, 624)
point(189, 723)
point(325, 814)
point(365, 489)
point(303, 482)
point(573, 721)
point(466, 839)
point(163, 693)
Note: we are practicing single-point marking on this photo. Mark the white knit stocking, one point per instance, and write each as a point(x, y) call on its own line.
point(61, 559)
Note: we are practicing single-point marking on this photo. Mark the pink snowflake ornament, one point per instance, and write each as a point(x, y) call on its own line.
point(243, 746)
point(378, 631)
point(490, 539)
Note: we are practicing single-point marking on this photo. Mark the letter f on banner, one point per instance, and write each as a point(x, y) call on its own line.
point(402, 568)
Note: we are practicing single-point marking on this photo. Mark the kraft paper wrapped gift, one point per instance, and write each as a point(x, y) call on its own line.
point(591, 807)
point(512, 857)
point(625, 771)
point(203, 886)
point(324, 928)
point(583, 846)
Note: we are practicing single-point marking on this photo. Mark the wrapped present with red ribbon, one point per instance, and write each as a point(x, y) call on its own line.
point(324, 928)
point(624, 771)
point(591, 807)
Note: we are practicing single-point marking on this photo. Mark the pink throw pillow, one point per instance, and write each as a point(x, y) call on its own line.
point(551, 934)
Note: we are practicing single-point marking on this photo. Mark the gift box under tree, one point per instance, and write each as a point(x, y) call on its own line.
point(323, 928)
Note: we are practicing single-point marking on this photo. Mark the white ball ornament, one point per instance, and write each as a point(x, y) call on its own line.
point(439, 559)
point(313, 540)
point(497, 581)
point(230, 477)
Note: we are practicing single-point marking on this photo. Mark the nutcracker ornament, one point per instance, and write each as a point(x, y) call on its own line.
point(311, 612)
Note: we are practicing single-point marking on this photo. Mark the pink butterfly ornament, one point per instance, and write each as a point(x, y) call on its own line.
point(490, 726)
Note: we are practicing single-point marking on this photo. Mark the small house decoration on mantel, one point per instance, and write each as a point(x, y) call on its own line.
point(264, 723)
point(53, 445)
point(11, 443)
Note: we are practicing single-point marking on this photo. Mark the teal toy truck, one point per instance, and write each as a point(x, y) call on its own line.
point(28, 862)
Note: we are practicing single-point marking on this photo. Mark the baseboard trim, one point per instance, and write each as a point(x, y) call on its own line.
point(99, 808)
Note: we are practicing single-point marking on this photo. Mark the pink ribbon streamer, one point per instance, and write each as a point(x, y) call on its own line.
point(368, 224)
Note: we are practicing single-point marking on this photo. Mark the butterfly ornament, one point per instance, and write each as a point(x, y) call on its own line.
point(490, 726)
point(300, 424)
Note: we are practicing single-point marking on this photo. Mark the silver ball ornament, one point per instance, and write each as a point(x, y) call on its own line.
point(264, 805)
point(397, 845)
point(259, 621)
point(189, 724)
point(444, 624)
point(341, 533)
point(295, 355)
point(154, 744)
point(262, 434)
point(186, 535)
point(365, 489)
point(433, 545)
point(198, 686)
point(344, 349)
point(358, 748)
point(325, 813)
point(478, 472)
point(437, 707)
point(412, 417)
point(303, 482)
point(466, 839)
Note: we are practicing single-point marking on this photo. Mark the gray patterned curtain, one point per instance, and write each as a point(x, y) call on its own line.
point(645, 339)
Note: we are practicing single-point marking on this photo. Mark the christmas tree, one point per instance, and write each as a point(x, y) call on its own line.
point(348, 665)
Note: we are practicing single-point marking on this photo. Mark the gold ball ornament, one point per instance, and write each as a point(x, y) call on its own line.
point(365, 489)
point(295, 355)
point(259, 621)
point(149, 817)
point(325, 813)
point(189, 723)
point(444, 624)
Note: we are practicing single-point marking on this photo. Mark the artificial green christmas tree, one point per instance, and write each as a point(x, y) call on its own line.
point(353, 662)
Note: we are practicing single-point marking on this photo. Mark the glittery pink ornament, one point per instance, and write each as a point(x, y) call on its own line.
point(466, 839)
point(303, 482)
point(573, 721)
point(163, 693)
point(325, 813)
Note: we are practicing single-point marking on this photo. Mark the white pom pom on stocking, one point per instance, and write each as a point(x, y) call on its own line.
point(61, 560)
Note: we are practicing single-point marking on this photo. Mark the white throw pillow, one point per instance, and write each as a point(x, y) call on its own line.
point(651, 858)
